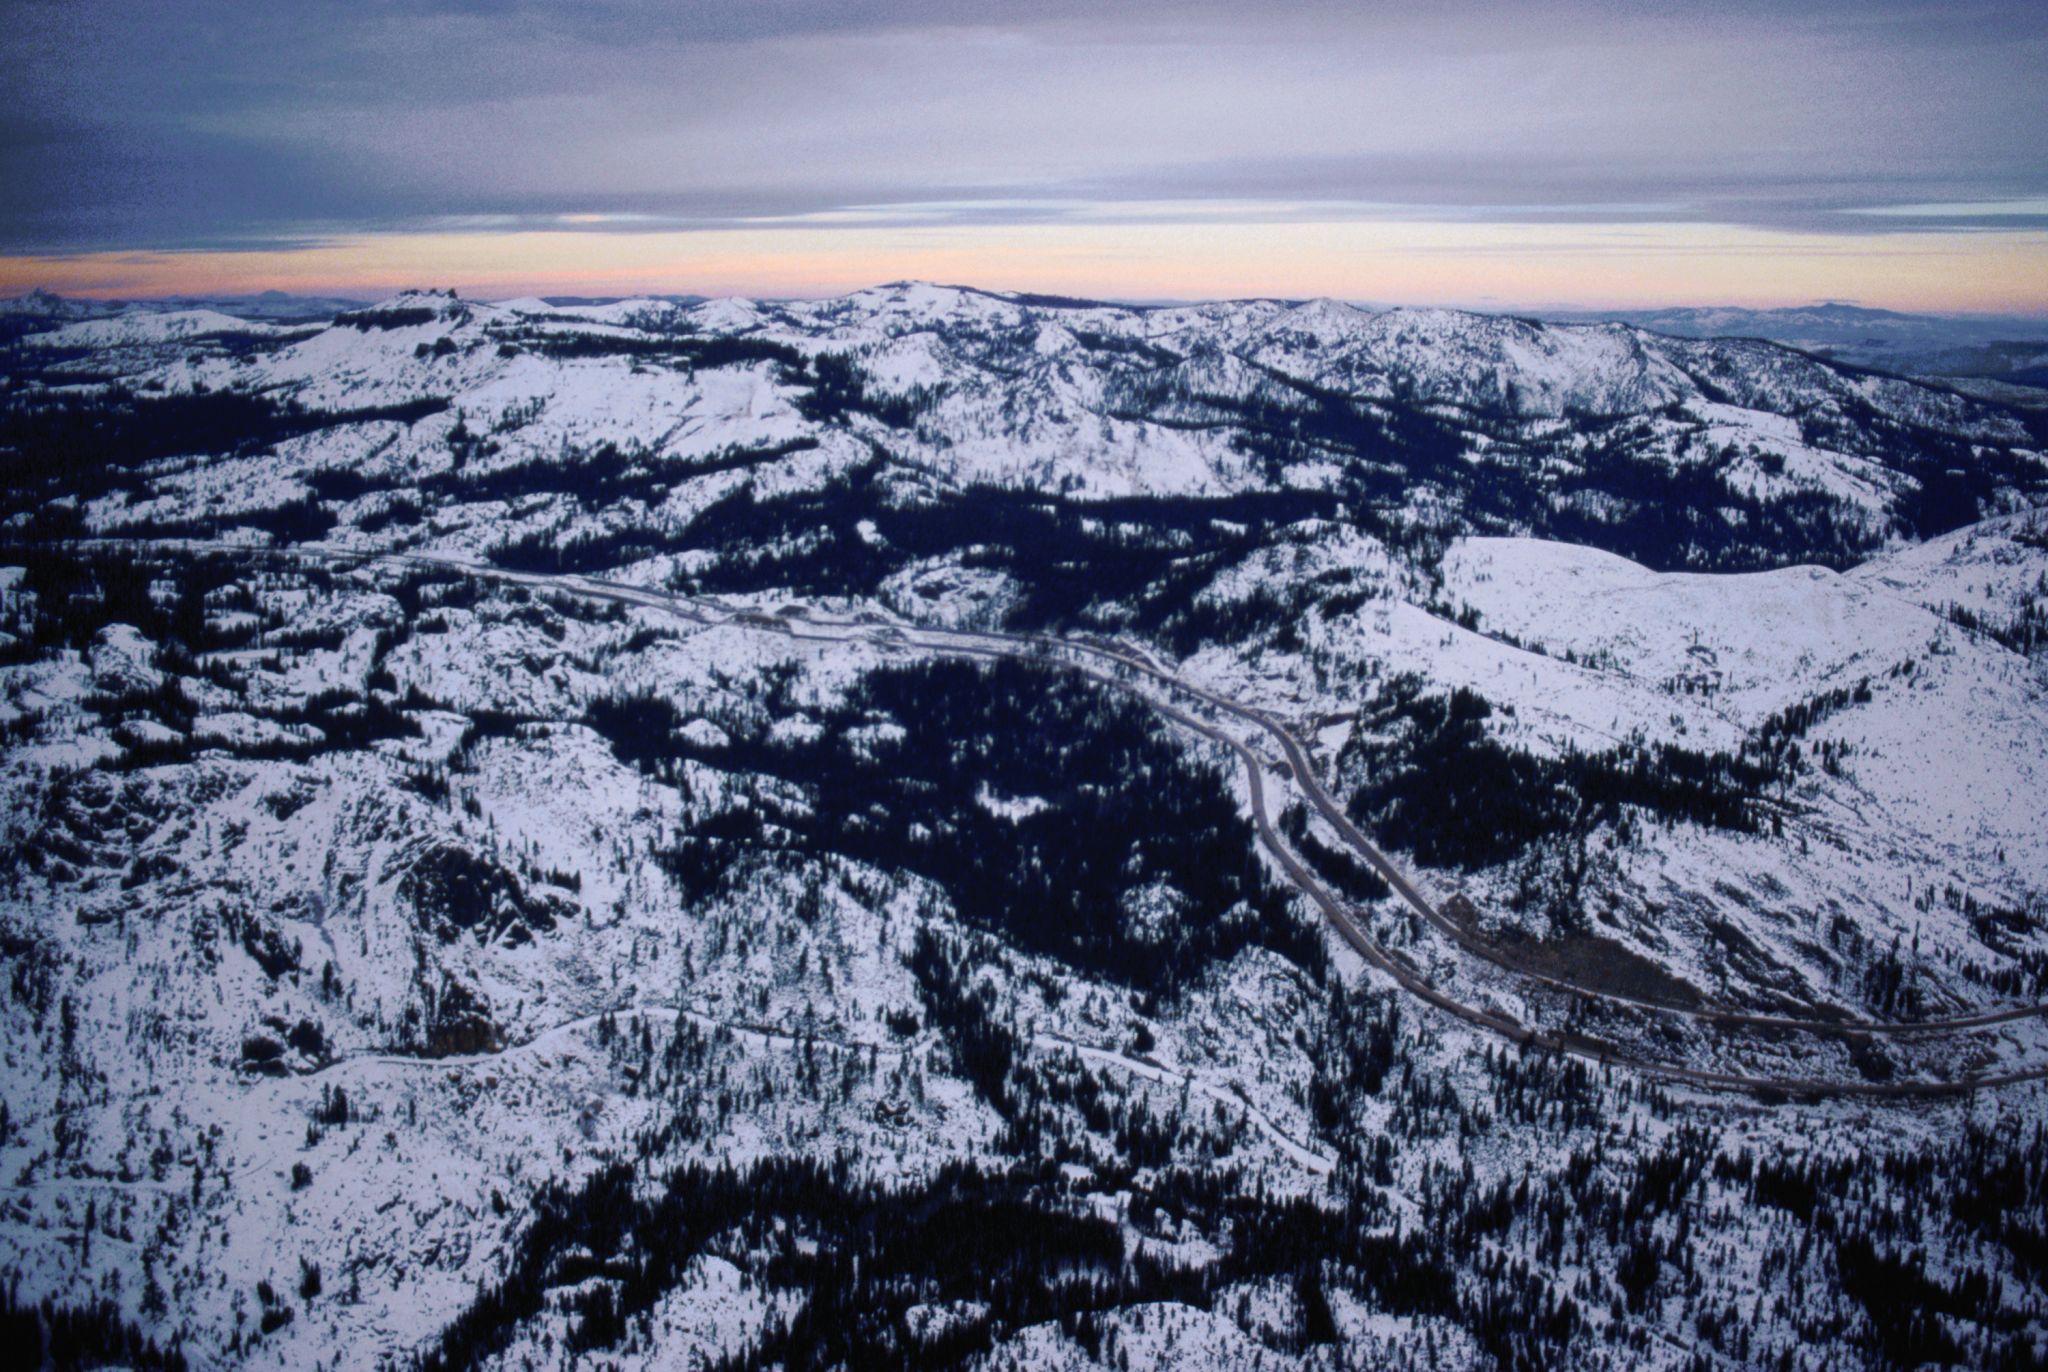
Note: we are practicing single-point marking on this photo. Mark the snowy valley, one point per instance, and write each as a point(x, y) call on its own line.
point(938, 828)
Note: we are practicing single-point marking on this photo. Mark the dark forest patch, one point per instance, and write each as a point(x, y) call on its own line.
point(1126, 811)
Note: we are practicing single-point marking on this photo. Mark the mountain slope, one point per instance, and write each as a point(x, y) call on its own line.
point(613, 925)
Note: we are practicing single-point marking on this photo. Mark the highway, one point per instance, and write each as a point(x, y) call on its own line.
point(1116, 666)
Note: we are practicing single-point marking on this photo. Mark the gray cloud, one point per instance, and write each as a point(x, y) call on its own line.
point(206, 123)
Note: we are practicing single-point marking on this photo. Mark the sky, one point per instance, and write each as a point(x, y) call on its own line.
point(1503, 153)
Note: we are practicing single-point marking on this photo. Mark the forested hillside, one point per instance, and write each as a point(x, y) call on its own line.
point(939, 829)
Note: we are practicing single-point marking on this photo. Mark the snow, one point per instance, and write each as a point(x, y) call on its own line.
point(147, 328)
point(1985, 568)
point(1756, 634)
point(1012, 808)
point(147, 914)
point(122, 660)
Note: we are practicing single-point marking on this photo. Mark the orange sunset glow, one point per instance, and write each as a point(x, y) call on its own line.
point(1520, 266)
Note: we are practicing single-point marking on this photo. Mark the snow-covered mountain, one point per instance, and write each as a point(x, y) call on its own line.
point(940, 828)
point(1601, 433)
point(1830, 325)
point(272, 306)
point(1964, 349)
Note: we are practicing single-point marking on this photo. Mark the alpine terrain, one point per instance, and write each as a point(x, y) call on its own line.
point(945, 829)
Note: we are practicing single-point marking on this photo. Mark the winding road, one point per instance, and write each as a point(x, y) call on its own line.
point(1125, 669)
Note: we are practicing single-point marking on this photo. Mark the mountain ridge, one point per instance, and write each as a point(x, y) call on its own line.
point(542, 832)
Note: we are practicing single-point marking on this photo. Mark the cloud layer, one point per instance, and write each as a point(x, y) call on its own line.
point(211, 125)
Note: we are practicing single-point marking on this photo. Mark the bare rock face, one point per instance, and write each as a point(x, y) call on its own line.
point(465, 1036)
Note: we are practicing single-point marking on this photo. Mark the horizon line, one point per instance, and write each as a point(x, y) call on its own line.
point(1029, 298)
point(1490, 268)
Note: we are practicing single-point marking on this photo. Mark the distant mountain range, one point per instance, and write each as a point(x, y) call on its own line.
point(2009, 349)
point(2008, 353)
point(276, 306)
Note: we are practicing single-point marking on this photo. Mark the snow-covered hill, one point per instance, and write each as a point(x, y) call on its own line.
point(154, 328)
point(446, 960)
point(1951, 347)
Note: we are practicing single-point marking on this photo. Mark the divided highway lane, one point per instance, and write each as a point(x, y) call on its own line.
point(1492, 1020)
point(996, 644)
point(1312, 789)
